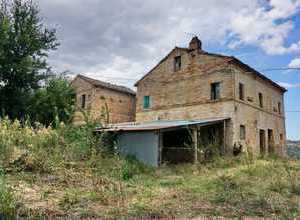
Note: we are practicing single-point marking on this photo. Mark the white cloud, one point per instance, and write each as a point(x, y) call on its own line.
point(295, 63)
point(266, 28)
point(289, 85)
point(126, 38)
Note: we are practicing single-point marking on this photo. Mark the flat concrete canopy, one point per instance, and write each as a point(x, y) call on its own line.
point(158, 125)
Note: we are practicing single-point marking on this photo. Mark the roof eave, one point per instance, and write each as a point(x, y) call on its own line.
point(103, 86)
point(258, 74)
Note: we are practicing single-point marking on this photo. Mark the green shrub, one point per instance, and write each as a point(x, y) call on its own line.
point(131, 167)
point(7, 202)
point(42, 149)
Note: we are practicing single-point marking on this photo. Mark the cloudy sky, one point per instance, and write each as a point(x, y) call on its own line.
point(120, 40)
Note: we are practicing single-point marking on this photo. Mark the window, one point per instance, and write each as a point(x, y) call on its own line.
point(279, 108)
point(83, 101)
point(215, 91)
point(242, 132)
point(281, 137)
point(241, 91)
point(146, 103)
point(177, 63)
point(261, 100)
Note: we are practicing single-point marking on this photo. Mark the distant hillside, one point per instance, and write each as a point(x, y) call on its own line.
point(293, 149)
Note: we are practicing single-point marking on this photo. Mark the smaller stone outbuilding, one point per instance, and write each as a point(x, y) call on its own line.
point(101, 100)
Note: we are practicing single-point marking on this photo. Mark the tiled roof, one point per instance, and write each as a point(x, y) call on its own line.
point(100, 83)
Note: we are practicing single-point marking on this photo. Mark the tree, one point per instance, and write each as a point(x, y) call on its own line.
point(24, 46)
point(53, 103)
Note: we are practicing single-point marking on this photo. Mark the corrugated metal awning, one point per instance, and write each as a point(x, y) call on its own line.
point(159, 124)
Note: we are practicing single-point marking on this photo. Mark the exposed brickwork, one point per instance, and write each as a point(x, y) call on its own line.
point(186, 94)
point(255, 118)
point(121, 104)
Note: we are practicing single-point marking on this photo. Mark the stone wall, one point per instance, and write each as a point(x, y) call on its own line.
point(82, 87)
point(185, 94)
point(121, 106)
point(188, 87)
point(255, 118)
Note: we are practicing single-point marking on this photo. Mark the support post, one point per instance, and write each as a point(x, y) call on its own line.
point(224, 136)
point(195, 134)
point(160, 146)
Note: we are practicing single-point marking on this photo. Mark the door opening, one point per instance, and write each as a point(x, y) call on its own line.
point(270, 141)
point(262, 141)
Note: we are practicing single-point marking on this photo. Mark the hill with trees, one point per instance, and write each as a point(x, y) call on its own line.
point(293, 149)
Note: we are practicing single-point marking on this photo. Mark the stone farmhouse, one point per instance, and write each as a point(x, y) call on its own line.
point(219, 97)
point(102, 100)
point(190, 83)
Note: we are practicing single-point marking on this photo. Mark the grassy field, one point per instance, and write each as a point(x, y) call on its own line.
point(229, 188)
point(60, 177)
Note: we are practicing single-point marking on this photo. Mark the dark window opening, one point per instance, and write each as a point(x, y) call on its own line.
point(146, 103)
point(279, 108)
point(83, 97)
point(242, 132)
point(177, 63)
point(215, 91)
point(281, 139)
point(241, 91)
point(261, 101)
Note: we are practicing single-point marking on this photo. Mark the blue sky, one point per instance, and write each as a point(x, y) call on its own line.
point(119, 41)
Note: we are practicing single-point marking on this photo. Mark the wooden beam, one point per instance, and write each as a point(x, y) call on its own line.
point(224, 136)
point(195, 137)
point(160, 146)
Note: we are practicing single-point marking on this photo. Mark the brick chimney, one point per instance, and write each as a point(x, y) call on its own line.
point(195, 44)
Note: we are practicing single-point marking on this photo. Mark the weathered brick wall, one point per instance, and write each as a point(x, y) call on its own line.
point(255, 118)
point(82, 87)
point(121, 106)
point(187, 87)
point(185, 94)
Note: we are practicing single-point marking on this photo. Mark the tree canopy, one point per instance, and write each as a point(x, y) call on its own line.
point(24, 45)
point(53, 103)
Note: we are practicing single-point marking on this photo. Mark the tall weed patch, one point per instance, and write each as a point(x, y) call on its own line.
point(25, 146)
point(40, 148)
point(7, 201)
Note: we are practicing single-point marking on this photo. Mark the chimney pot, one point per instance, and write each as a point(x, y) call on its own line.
point(195, 44)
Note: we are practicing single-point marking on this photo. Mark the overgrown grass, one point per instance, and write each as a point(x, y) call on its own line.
point(68, 173)
point(7, 200)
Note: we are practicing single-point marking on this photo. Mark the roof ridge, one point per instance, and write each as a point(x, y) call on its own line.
point(108, 85)
point(227, 58)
